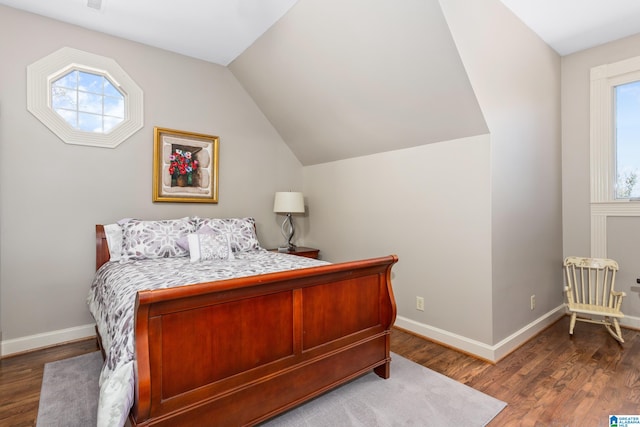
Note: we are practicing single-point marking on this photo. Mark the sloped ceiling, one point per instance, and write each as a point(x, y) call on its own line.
point(212, 30)
point(337, 79)
point(342, 79)
point(345, 79)
point(219, 30)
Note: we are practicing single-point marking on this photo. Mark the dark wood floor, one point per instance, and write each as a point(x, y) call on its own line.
point(552, 380)
point(21, 378)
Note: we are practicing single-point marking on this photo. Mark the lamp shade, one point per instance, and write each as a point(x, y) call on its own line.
point(288, 202)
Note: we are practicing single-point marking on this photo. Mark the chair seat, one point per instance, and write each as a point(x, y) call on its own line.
point(595, 310)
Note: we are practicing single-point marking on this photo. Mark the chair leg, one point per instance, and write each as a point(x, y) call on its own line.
point(572, 324)
point(618, 334)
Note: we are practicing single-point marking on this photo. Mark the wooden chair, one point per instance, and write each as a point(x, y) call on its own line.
point(590, 291)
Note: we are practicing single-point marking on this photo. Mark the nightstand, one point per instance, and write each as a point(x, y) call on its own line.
point(302, 251)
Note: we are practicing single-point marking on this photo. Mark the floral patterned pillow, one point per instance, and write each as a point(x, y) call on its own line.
point(209, 247)
point(241, 231)
point(154, 239)
point(183, 242)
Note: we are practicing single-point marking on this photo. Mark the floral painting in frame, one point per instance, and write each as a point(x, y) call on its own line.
point(185, 166)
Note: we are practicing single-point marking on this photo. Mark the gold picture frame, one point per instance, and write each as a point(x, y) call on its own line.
point(185, 166)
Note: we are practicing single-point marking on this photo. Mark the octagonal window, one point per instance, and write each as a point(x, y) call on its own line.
point(84, 98)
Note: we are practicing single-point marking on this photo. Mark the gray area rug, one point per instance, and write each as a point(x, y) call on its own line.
point(413, 396)
point(69, 393)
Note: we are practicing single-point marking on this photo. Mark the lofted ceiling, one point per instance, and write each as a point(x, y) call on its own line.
point(569, 26)
point(212, 30)
point(342, 79)
point(219, 30)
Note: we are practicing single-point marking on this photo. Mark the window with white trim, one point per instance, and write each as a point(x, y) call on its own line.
point(627, 140)
point(84, 98)
point(614, 146)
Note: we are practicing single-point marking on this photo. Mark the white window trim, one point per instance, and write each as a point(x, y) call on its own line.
point(41, 73)
point(602, 156)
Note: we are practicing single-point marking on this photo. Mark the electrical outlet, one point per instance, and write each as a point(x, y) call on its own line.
point(533, 302)
point(420, 303)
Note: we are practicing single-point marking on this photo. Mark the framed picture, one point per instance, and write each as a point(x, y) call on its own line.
point(185, 166)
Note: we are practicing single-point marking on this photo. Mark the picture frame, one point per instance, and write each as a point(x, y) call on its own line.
point(185, 166)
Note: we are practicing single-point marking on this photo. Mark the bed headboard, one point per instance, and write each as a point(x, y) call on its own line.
point(102, 248)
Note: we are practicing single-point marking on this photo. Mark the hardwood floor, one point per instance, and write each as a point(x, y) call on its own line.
point(552, 380)
point(21, 378)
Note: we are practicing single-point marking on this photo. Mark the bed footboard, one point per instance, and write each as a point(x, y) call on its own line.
point(240, 351)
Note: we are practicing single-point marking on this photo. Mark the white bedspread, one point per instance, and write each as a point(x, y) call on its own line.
point(112, 299)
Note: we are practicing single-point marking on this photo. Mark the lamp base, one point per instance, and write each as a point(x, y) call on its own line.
point(287, 231)
point(285, 249)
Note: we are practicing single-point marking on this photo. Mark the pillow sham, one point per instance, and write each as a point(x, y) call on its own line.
point(154, 239)
point(241, 231)
point(209, 247)
point(113, 233)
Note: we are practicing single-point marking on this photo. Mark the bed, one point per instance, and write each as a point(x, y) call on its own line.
point(235, 351)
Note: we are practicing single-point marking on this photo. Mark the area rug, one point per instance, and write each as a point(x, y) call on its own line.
point(69, 393)
point(413, 396)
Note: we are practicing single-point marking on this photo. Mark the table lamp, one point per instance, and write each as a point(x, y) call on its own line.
point(288, 202)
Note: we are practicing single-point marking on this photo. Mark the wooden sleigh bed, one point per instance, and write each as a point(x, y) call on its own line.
point(240, 351)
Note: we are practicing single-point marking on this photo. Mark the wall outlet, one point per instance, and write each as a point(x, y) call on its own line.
point(420, 303)
point(533, 302)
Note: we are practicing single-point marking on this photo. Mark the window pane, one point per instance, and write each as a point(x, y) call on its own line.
point(110, 90)
point(90, 82)
point(89, 103)
point(114, 107)
point(69, 80)
point(627, 117)
point(63, 98)
point(70, 117)
point(90, 122)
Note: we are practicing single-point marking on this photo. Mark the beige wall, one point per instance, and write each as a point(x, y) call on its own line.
point(52, 194)
point(623, 235)
point(430, 205)
point(516, 78)
point(575, 171)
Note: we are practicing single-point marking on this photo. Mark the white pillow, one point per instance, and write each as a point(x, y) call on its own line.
point(209, 247)
point(113, 233)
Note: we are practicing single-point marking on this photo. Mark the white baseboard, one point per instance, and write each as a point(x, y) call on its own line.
point(485, 351)
point(482, 350)
point(47, 339)
point(630, 322)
